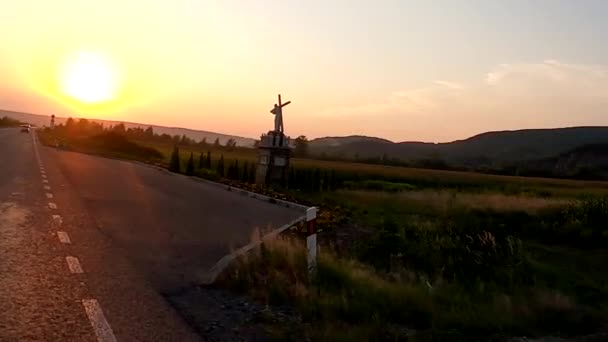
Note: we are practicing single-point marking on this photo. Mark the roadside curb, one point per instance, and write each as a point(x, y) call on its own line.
point(225, 261)
point(251, 194)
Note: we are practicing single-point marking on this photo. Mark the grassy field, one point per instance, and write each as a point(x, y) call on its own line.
point(417, 178)
point(424, 255)
point(442, 265)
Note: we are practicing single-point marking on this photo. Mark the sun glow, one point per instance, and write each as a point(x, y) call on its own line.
point(89, 78)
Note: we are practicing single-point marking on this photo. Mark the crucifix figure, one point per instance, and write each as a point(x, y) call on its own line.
point(278, 115)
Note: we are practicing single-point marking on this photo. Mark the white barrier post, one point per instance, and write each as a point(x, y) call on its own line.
point(311, 239)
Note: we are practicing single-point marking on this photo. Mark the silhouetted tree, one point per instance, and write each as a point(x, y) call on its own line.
point(316, 180)
point(149, 132)
point(220, 166)
point(252, 174)
point(201, 161)
point(120, 128)
point(301, 149)
point(216, 143)
point(231, 143)
point(245, 175)
point(325, 185)
point(208, 162)
point(236, 170)
point(190, 165)
point(174, 165)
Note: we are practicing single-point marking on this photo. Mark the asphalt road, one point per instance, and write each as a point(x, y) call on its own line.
point(88, 245)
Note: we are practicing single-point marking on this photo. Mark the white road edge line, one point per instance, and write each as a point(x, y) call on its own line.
point(74, 264)
point(49, 195)
point(64, 237)
point(45, 181)
point(98, 321)
point(46, 187)
point(52, 205)
point(43, 175)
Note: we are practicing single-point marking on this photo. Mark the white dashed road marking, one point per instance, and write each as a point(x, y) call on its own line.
point(100, 325)
point(64, 237)
point(98, 321)
point(73, 264)
point(57, 219)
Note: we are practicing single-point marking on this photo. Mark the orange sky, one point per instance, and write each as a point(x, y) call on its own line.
point(403, 70)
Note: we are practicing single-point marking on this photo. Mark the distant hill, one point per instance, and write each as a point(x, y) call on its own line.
point(584, 162)
point(44, 120)
point(490, 149)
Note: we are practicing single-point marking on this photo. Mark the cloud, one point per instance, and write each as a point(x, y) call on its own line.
point(451, 85)
point(510, 96)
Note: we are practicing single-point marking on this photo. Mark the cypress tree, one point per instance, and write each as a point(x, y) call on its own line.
point(220, 166)
point(252, 174)
point(201, 161)
point(245, 175)
point(208, 165)
point(316, 180)
point(291, 178)
point(325, 185)
point(333, 183)
point(174, 165)
point(190, 165)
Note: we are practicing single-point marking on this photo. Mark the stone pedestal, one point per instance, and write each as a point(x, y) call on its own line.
point(273, 159)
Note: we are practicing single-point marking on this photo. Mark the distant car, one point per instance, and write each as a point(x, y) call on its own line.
point(25, 128)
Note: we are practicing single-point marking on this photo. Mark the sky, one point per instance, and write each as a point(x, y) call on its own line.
point(432, 71)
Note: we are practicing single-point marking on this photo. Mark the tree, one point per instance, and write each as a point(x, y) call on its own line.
point(190, 165)
point(216, 143)
point(174, 165)
point(208, 162)
point(316, 180)
point(120, 128)
point(245, 175)
point(301, 149)
point(220, 166)
point(231, 143)
point(149, 132)
point(252, 174)
point(201, 161)
point(325, 186)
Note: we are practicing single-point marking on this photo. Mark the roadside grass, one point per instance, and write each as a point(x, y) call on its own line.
point(350, 301)
point(446, 200)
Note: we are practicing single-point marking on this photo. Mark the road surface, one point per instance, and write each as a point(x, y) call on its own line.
point(88, 245)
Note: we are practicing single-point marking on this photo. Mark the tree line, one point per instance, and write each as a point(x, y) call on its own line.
point(84, 127)
point(206, 166)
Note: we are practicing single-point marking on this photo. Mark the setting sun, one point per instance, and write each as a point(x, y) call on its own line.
point(89, 78)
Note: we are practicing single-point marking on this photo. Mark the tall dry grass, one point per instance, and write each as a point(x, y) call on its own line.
point(444, 200)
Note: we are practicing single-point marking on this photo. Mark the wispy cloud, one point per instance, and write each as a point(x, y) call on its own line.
point(451, 85)
point(510, 96)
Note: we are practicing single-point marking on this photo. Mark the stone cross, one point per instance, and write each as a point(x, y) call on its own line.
point(277, 110)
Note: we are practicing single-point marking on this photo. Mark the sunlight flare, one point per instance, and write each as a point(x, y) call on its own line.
point(89, 78)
